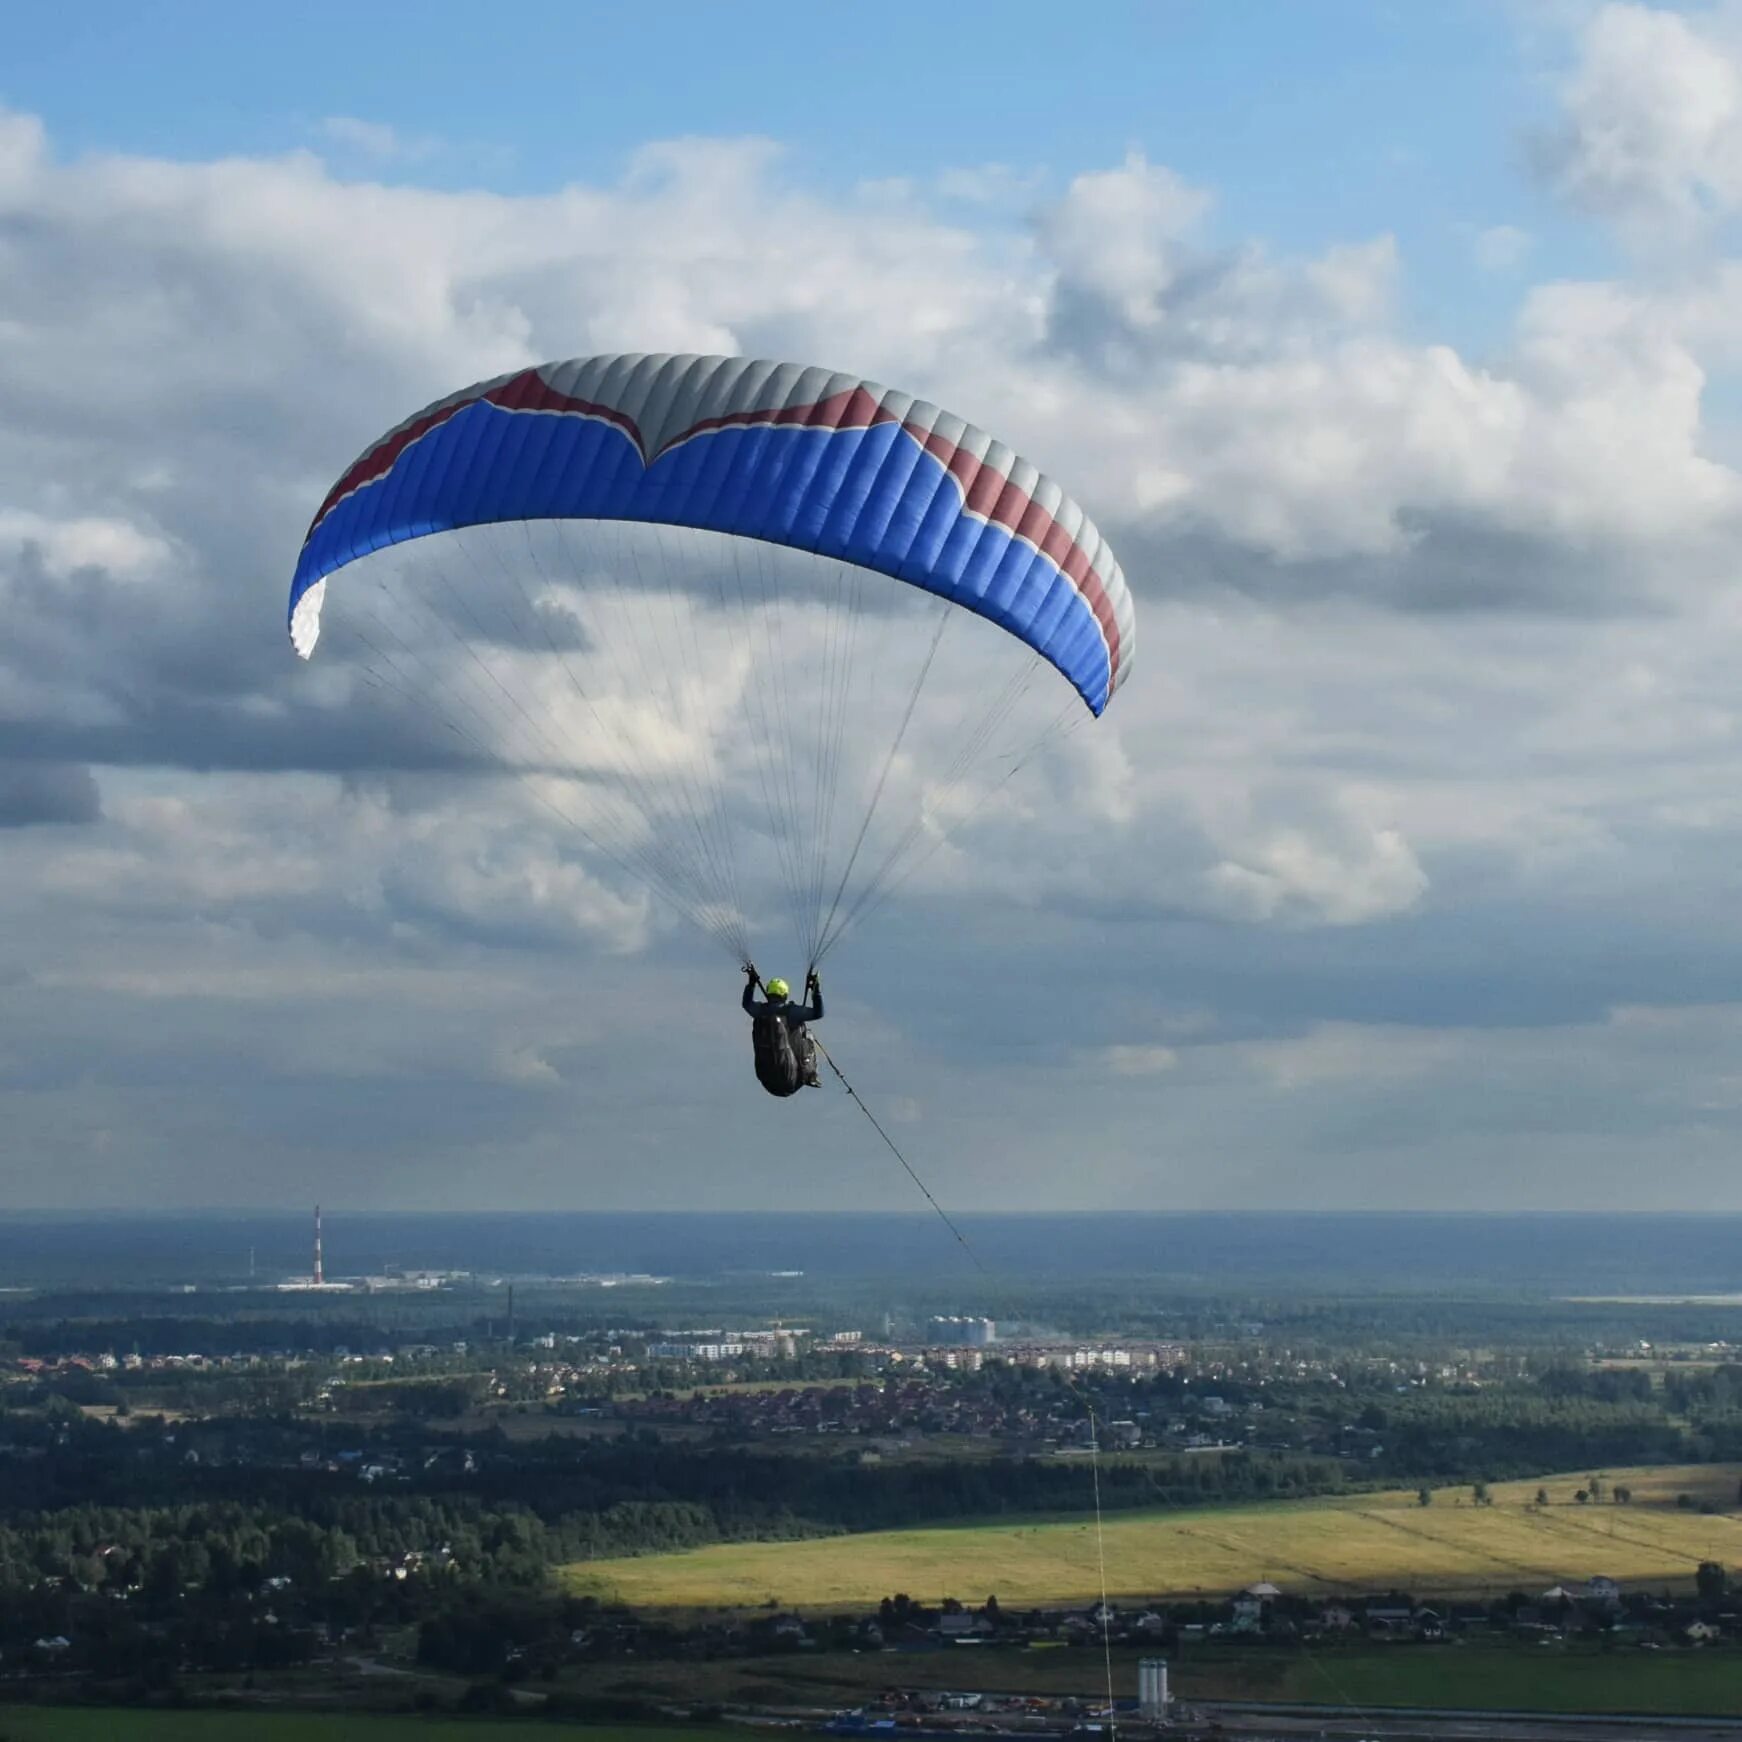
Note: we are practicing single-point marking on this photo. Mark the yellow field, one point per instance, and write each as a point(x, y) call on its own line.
point(1325, 1547)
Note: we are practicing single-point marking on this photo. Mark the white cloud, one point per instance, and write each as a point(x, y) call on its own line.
point(1502, 248)
point(1653, 116)
point(119, 547)
point(520, 889)
point(1356, 280)
point(1431, 647)
point(1117, 233)
point(23, 149)
point(1286, 874)
point(374, 139)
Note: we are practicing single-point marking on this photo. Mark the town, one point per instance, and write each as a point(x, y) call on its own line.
point(505, 1505)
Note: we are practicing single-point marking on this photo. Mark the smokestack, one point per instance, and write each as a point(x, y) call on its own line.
point(319, 1278)
point(511, 1315)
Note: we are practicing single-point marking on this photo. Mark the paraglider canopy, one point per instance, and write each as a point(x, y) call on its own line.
point(772, 457)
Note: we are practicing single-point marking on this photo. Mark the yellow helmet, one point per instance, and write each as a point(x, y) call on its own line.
point(778, 988)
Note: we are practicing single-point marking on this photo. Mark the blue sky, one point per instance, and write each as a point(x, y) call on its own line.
point(1393, 347)
point(1315, 123)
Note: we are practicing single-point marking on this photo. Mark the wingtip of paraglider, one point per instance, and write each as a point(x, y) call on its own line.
point(305, 620)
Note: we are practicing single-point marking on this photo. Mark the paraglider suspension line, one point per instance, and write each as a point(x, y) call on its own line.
point(889, 1142)
point(961, 1240)
point(1101, 1568)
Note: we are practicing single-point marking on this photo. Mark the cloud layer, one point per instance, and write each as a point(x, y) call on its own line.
point(1402, 872)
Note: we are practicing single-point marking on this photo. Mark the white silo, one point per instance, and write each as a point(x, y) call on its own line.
point(1152, 1689)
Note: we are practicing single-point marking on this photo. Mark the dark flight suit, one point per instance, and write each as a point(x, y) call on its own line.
point(786, 1059)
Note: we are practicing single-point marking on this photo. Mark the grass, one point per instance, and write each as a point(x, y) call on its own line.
point(1499, 1679)
point(1316, 1547)
point(1473, 1677)
point(98, 1724)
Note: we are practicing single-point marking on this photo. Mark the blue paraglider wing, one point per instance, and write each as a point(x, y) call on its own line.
point(796, 456)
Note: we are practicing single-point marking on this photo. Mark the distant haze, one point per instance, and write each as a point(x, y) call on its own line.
point(804, 1257)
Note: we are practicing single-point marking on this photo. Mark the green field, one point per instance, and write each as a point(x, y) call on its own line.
point(1500, 1679)
point(1476, 1677)
point(98, 1724)
point(1313, 1548)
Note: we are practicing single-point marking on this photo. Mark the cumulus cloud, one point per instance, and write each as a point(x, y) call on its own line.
point(1435, 688)
point(1652, 126)
point(1116, 237)
point(524, 891)
point(1256, 423)
point(117, 547)
point(1286, 873)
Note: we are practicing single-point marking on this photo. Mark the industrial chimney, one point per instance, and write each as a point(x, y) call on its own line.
point(319, 1277)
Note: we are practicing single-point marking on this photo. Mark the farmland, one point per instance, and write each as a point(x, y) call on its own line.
point(1316, 1548)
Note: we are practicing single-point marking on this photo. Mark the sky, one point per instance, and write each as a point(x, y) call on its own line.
point(1395, 350)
